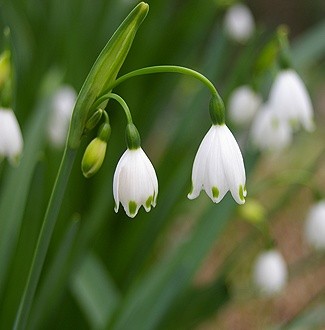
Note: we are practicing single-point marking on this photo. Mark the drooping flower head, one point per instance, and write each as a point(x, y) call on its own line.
point(243, 105)
point(219, 167)
point(290, 100)
point(11, 141)
point(62, 107)
point(135, 182)
point(239, 23)
point(315, 225)
point(269, 132)
point(270, 272)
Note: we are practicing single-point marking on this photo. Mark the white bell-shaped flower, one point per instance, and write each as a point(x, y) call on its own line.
point(315, 225)
point(243, 104)
point(219, 167)
point(270, 272)
point(62, 106)
point(290, 100)
point(11, 141)
point(268, 132)
point(135, 182)
point(239, 23)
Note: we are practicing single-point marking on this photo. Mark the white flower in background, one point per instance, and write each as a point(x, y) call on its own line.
point(219, 167)
point(243, 104)
point(270, 272)
point(268, 132)
point(239, 23)
point(315, 225)
point(135, 182)
point(62, 106)
point(11, 141)
point(291, 101)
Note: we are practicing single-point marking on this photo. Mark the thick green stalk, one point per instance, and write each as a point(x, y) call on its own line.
point(44, 238)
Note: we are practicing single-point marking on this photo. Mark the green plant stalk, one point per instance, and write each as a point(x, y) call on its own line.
point(44, 238)
point(118, 99)
point(166, 69)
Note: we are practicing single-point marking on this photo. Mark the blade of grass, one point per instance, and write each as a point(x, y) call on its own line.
point(94, 291)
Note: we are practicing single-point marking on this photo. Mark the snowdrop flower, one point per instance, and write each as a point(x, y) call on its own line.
point(62, 107)
point(270, 272)
point(135, 182)
point(268, 132)
point(11, 141)
point(291, 101)
point(315, 225)
point(239, 23)
point(243, 104)
point(219, 167)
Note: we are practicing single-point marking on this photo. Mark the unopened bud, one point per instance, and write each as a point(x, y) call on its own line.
point(93, 121)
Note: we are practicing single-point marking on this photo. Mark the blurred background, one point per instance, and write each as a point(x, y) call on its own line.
point(186, 264)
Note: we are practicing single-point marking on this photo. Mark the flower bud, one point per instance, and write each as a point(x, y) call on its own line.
point(93, 121)
point(4, 67)
point(95, 152)
point(93, 157)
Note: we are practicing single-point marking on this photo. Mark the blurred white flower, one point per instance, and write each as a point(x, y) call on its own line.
point(315, 225)
point(243, 104)
point(290, 100)
point(11, 141)
point(219, 167)
point(268, 132)
point(62, 106)
point(239, 23)
point(270, 272)
point(135, 182)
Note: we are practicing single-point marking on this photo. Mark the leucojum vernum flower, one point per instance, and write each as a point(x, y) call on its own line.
point(218, 165)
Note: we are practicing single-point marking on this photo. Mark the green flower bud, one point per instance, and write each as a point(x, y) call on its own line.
point(93, 157)
point(104, 71)
point(253, 211)
point(4, 68)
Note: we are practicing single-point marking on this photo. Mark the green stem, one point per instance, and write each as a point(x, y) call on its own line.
point(44, 238)
point(167, 69)
point(117, 98)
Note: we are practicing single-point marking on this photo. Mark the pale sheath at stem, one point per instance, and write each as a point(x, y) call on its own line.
point(219, 167)
point(135, 182)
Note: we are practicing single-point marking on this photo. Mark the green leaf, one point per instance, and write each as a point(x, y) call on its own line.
point(94, 291)
point(104, 71)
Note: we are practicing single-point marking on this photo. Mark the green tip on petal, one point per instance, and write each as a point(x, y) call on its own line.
point(215, 192)
point(149, 201)
point(132, 207)
point(242, 192)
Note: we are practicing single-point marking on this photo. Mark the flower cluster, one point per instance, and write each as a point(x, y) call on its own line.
point(288, 108)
